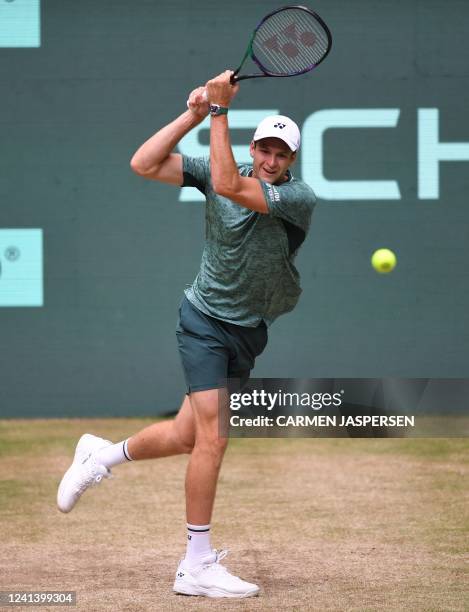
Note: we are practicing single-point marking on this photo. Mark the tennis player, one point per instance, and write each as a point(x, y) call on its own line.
point(257, 216)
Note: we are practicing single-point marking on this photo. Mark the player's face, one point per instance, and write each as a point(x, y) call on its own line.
point(271, 159)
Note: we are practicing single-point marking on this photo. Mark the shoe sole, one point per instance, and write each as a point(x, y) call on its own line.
point(189, 589)
point(66, 508)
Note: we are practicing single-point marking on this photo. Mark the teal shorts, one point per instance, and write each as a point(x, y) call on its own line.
point(213, 351)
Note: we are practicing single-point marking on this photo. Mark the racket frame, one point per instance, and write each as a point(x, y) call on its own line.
point(265, 73)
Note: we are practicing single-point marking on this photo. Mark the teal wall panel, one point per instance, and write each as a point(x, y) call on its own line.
point(20, 23)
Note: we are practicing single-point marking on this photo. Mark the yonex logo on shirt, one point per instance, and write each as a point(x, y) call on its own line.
point(274, 195)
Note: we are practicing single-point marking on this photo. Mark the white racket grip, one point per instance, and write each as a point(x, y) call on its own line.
point(204, 95)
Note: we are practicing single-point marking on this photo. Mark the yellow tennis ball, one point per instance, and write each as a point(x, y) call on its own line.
point(383, 261)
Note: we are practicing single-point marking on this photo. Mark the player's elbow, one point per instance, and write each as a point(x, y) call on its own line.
point(136, 166)
point(139, 168)
point(220, 189)
point(224, 189)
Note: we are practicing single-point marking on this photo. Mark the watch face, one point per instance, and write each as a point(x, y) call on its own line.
point(216, 109)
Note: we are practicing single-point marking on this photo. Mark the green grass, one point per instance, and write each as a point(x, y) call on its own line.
point(322, 524)
point(36, 437)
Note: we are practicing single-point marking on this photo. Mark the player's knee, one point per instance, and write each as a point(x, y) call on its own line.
point(187, 446)
point(221, 444)
point(184, 439)
point(212, 445)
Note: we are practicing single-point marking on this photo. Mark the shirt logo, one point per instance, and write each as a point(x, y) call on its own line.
point(274, 195)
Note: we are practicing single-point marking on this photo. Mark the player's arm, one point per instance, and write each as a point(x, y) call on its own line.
point(226, 180)
point(155, 159)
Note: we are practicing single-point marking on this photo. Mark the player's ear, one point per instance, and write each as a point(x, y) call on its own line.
point(252, 146)
point(293, 158)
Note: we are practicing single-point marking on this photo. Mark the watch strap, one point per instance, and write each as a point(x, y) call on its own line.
point(216, 109)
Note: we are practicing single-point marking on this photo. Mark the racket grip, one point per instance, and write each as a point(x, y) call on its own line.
point(234, 77)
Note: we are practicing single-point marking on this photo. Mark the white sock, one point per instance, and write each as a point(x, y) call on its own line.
point(198, 544)
point(114, 454)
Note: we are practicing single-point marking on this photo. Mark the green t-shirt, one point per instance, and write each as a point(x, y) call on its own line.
point(247, 274)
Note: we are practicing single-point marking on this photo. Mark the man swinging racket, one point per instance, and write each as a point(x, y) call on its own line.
point(257, 216)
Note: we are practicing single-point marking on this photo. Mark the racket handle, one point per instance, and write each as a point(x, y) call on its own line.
point(234, 77)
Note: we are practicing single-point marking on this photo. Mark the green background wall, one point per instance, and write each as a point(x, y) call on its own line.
point(118, 250)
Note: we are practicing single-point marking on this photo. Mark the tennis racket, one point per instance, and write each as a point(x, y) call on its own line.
point(289, 41)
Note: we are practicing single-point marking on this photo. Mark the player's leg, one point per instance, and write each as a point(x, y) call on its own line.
point(200, 572)
point(206, 458)
point(211, 351)
point(94, 456)
point(233, 356)
point(169, 437)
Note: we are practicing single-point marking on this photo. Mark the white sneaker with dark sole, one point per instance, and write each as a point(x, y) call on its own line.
point(84, 472)
point(211, 579)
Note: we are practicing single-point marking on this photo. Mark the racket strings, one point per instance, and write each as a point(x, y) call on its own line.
point(289, 42)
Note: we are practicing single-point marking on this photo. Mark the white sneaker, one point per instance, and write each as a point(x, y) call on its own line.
point(212, 579)
point(84, 472)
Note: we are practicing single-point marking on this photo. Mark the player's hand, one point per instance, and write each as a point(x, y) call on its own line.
point(220, 90)
point(198, 103)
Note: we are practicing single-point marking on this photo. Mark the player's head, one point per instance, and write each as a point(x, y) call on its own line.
point(273, 147)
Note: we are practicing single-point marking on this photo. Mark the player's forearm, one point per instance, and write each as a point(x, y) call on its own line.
point(223, 168)
point(157, 148)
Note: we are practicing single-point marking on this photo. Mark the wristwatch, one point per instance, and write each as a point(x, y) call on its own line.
point(216, 109)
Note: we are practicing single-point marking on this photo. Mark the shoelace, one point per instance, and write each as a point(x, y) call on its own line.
point(221, 554)
point(215, 565)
